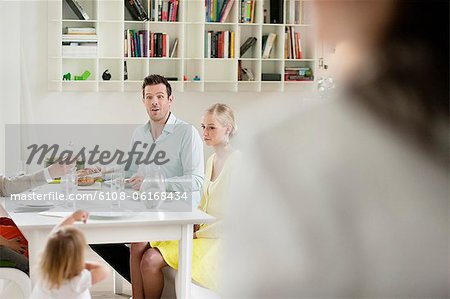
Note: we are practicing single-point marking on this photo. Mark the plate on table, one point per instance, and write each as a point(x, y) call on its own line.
point(39, 204)
point(112, 215)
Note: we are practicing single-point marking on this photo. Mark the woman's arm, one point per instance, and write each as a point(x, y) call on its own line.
point(98, 271)
point(211, 231)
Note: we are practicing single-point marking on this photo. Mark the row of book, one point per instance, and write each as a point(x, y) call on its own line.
point(160, 10)
point(298, 74)
point(164, 10)
point(79, 42)
point(247, 11)
point(219, 44)
point(294, 14)
point(293, 45)
point(141, 43)
point(218, 10)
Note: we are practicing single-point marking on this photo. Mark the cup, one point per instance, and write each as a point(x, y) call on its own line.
point(69, 183)
point(117, 187)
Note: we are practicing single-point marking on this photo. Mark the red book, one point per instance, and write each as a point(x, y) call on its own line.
point(133, 43)
point(220, 45)
point(152, 45)
point(174, 11)
point(164, 47)
point(300, 54)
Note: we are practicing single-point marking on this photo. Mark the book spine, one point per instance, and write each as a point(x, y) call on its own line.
point(141, 44)
point(293, 44)
point(159, 10)
point(248, 11)
point(160, 44)
point(232, 44)
point(175, 12)
point(125, 45)
point(226, 44)
point(226, 10)
point(213, 10)
point(136, 45)
point(164, 45)
point(152, 44)
point(276, 11)
point(174, 48)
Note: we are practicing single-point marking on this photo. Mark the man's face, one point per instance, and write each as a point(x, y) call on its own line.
point(156, 102)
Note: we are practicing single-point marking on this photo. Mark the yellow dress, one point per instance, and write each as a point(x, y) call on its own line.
point(206, 246)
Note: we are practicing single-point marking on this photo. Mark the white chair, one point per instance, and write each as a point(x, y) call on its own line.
point(14, 283)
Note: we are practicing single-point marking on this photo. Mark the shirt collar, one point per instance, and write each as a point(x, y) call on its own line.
point(168, 127)
point(170, 123)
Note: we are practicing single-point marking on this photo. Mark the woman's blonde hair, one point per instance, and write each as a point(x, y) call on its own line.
point(224, 115)
point(63, 257)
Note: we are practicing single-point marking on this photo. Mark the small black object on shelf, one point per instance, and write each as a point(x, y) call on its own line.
point(106, 75)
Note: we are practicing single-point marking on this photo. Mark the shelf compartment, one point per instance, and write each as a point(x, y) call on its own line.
point(195, 11)
point(277, 51)
point(114, 66)
point(127, 15)
point(245, 33)
point(110, 11)
point(136, 69)
point(166, 68)
point(307, 41)
point(220, 70)
point(109, 35)
point(194, 41)
point(76, 67)
point(254, 66)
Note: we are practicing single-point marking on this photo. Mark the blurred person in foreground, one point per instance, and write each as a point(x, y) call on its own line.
point(350, 198)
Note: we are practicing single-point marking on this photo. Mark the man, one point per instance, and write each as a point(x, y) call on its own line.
point(182, 148)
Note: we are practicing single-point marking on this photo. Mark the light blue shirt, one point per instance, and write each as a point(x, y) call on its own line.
point(183, 147)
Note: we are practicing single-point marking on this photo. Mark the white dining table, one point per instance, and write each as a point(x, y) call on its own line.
point(138, 226)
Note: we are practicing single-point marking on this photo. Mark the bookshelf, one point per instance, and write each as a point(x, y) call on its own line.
point(111, 20)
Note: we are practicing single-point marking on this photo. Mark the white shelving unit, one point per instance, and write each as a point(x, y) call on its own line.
point(111, 19)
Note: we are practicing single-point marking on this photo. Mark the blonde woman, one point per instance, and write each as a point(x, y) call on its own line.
point(64, 272)
point(148, 259)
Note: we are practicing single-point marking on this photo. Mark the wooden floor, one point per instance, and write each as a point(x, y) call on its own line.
point(107, 295)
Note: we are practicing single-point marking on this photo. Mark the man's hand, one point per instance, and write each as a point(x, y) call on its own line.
point(88, 171)
point(136, 182)
point(57, 170)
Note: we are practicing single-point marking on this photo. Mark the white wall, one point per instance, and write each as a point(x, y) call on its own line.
point(28, 54)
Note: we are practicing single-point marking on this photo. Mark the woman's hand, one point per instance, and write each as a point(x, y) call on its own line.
point(57, 170)
point(136, 182)
point(196, 228)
